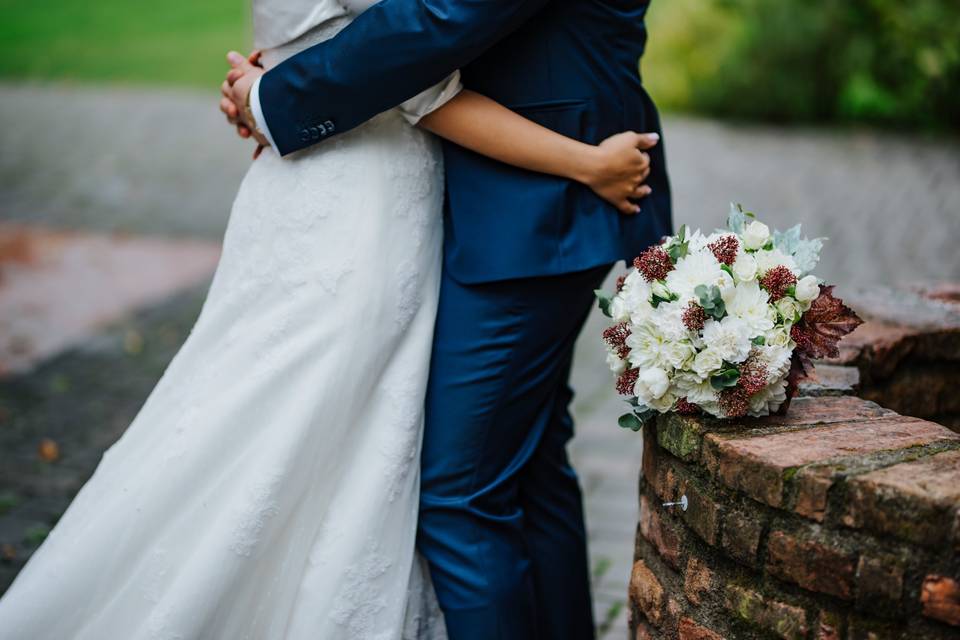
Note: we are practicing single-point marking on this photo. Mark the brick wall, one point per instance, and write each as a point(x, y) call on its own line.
point(906, 356)
point(840, 520)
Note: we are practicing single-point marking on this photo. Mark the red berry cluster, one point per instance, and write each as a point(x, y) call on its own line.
point(694, 316)
point(654, 264)
point(777, 280)
point(734, 402)
point(627, 381)
point(685, 408)
point(616, 336)
point(753, 376)
point(725, 249)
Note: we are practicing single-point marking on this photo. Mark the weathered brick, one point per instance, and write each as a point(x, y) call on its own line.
point(830, 380)
point(646, 592)
point(698, 580)
point(741, 536)
point(813, 487)
point(680, 435)
point(828, 626)
point(690, 630)
point(758, 465)
point(644, 632)
point(879, 583)
point(665, 539)
point(813, 564)
point(911, 500)
point(940, 596)
point(785, 620)
point(703, 513)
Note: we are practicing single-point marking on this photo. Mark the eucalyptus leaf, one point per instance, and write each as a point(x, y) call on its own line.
point(737, 219)
point(725, 378)
point(630, 421)
point(604, 299)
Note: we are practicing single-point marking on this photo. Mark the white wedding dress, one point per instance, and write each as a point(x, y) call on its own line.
point(268, 488)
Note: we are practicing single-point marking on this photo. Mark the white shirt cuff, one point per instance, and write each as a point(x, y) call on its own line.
point(258, 112)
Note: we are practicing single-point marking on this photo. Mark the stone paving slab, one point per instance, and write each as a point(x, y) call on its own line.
point(59, 287)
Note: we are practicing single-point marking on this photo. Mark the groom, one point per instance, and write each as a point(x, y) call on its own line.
point(501, 520)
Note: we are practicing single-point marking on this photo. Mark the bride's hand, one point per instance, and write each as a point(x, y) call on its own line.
point(617, 168)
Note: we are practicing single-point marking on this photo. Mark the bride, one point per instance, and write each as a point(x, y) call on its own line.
point(268, 488)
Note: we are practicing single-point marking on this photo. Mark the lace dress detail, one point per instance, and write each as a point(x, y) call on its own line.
point(268, 488)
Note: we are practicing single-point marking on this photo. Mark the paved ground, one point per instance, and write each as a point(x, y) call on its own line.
point(162, 163)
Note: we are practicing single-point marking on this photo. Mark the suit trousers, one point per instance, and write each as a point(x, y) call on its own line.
point(501, 514)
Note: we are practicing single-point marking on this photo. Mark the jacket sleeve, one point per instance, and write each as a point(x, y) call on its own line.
point(388, 54)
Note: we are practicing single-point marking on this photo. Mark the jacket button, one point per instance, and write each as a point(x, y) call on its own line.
point(314, 133)
point(304, 135)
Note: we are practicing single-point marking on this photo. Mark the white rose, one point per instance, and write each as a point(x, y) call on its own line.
point(789, 309)
point(707, 362)
point(651, 384)
point(756, 235)
point(808, 289)
point(660, 290)
point(778, 337)
point(616, 365)
point(745, 267)
point(677, 354)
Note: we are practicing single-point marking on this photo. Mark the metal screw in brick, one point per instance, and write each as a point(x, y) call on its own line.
point(682, 503)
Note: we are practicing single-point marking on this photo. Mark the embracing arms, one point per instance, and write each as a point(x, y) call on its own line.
point(389, 53)
point(615, 169)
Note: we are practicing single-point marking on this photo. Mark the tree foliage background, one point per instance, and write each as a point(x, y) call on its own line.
point(877, 61)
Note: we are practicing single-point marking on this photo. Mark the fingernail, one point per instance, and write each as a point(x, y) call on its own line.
point(654, 136)
point(235, 57)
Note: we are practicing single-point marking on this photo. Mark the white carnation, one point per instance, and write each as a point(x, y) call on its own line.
point(767, 260)
point(751, 304)
point(696, 269)
point(755, 235)
point(636, 298)
point(777, 360)
point(730, 338)
point(616, 364)
point(695, 389)
point(645, 343)
point(768, 400)
point(618, 310)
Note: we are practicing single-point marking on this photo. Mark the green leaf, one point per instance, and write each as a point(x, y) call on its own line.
point(727, 268)
point(605, 300)
point(725, 378)
point(630, 421)
point(759, 341)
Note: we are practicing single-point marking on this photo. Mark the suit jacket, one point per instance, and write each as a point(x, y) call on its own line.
point(571, 65)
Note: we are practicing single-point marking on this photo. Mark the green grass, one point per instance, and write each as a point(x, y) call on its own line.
point(127, 41)
point(183, 42)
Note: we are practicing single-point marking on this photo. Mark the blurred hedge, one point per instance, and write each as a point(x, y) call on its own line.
point(878, 61)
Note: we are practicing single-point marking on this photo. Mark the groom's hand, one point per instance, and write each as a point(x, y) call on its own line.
point(236, 95)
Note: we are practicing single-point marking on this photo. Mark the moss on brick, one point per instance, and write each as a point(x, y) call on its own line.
point(680, 435)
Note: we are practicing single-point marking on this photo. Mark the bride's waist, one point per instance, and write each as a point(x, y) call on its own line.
point(323, 31)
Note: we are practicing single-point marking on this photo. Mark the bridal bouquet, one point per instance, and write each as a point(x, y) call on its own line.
point(723, 324)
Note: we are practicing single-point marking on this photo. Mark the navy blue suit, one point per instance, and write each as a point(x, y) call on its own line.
point(501, 521)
